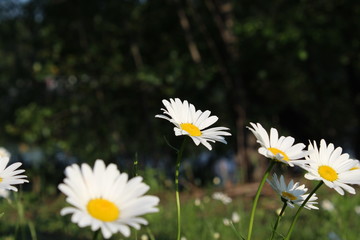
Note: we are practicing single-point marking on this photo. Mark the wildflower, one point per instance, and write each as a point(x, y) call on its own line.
point(235, 217)
point(192, 122)
point(144, 237)
point(357, 210)
point(280, 149)
point(197, 202)
point(327, 205)
point(329, 165)
point(292, 193)
point(216, 180)
point(226, 222)
point(357, 165)
point(10, 175)
point(216, 235)
point(105, 199)
point(221, 197)
point(183, 238)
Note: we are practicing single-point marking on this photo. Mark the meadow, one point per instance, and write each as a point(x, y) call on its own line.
point(36, 216)
point(90, 85)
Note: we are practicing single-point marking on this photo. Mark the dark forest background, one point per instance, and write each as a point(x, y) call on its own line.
point(83, 79)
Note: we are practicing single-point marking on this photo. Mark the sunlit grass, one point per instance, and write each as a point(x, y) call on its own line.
point(200, 222)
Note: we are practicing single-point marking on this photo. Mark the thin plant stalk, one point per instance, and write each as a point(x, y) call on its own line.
point(205, 220)
point(151, 235)
point(235, 231)
point(252, 215)
point(177, 194)
point(135, 172)
point(96, 235)
point(20, 210)
point(135, 165)
point(278, 219)
point(300, 208)
point(32, 230)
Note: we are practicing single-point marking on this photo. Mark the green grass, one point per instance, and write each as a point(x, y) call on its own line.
point(41, 213)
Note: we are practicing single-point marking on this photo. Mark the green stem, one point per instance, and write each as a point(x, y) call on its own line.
point(236, 232)
point(177, 195)
point(96, 234)
point(300, 208)
point(151, 235)
point(278, 220)
point(32, 231)
point(20, 210)
point(135, 166)
point(252, 216)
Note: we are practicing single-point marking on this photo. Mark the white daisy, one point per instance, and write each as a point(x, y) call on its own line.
point(329, 165)
point(235, 217)
point(103, 198)
point(192, 122)
point(280, 149)
point(10, 175)
point(357, 165)
point(292, 193)
point(4, 153)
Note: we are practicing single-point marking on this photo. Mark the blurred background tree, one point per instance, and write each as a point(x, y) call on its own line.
point(87, 77)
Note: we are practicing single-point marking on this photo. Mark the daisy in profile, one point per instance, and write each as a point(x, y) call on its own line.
point(334, 168)
point(278, 148)
point(103, 198)
point(10, 175)
point(192, 122)
point(292, 193)
point(357, 165)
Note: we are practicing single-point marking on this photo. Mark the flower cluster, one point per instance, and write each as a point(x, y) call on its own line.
point(108, 201)
point(325, 163)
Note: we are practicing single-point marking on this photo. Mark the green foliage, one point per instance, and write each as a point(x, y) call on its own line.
point(202, 221)
point(90, 83)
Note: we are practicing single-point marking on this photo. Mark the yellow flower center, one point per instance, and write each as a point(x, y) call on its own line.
point(288, 196)
point(193, 130)
point(327, 173)
point(103, 210)
point(1, 179)
point(277, 151)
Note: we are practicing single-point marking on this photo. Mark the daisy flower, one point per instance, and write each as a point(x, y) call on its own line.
point(192, 122)
point(292, 193)
point(4, 153)
point(103, 198)
point(280, 149)
point(10, 175)
point(329, 165)
point(357, 165)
